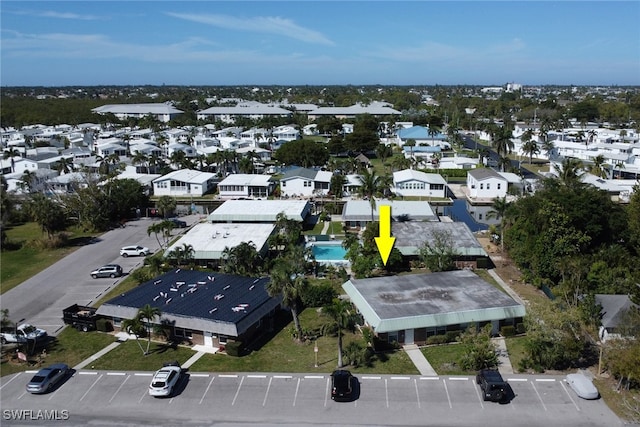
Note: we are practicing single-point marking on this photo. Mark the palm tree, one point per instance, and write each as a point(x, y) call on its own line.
point(342, 317)
point(10, 154)
point(27, 179)
point(64, 165)
point(155, 264)
point(146, 314)
point(503, 143)
point(569, 172)
point(531, 148)
point(140, 159)
point(383, 152)
point(498, 210)
point(288, 283)
point(597, 168)
point(370, 186)
point(134, 327)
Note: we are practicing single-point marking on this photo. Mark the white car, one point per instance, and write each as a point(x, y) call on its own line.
point(134, 251)
point(164, 381)
point(583, 386)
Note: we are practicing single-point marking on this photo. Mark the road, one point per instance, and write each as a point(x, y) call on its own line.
point(115, 398)
point(41, 299)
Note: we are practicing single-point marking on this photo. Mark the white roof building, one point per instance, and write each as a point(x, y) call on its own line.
point(162, 112)
point(184, 182)
point(260, 210)
point(242, 185)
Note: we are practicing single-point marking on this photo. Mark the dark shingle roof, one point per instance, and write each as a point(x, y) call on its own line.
point(299, 172)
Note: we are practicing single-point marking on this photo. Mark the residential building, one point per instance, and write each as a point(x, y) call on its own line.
point(161, 112)
point(265, 211)
point(408, 309)
point(357, 213)
point(613, 311)
point(413, 183)
point(236, 186)
point(184, 182)
point(303, 182)
point(485, 183)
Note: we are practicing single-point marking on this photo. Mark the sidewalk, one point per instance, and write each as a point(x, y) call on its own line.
point(504, 363)
point(97, 355)
point(418, 359)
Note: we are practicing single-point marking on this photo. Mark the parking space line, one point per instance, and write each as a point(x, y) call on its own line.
point(23, 393)
point(386, 391)
point(295, 396)
point(227, 376)
point(447, 391)
point(546, 380)
point(89, 389)
point(264, 402)
point(478, 394)
point(538, 394)
point(283, 376)
point(143, 395)
point(459, 379)
point(16, 376)
point(199, 375)
point(513, 380)
point(237, 391)
point(569, 394)
point(256, 376)
point(326, 393)
point(207, 390)
point(117, 373)
point(143, 375)
point(87, 373)
point(114, 394)
point(415, 383)
point(400, 378)
point(429, 378)
point(30, 372)
point(371, 378)
point(319, 377)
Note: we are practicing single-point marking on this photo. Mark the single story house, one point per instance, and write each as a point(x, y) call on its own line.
point(304, 182)
point(613, 311)
point(486, 183)
point(357, 213)
point(200, 307)
point(411, 236)
point(184, 182)
point(239, 185)
point(411, 182)
point(408, 309)
point(375, 108)
point(160, 111)
point(265, 211)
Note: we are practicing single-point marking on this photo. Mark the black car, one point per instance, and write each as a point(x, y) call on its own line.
point(342, 385)
point(178, 223)
point(494, 388)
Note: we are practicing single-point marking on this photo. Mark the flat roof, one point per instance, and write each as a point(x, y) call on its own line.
point(209, 240)
point(429, 300)
point(246, 179)
point(412, 235)
point(260, 210)
point(360, 210)
point(199, 300)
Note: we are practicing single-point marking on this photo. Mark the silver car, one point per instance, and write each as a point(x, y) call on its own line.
point(583, 386)
point(109, 270)
point(47, 378)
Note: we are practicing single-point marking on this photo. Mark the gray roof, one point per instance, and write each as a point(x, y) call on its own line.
point(360, 210)
point(411, 236)
point(300, 173)
point(151, 108)
point(260, 210)
point(613, 308)
point(429, 300)
point(197, 300)
point(484, 173)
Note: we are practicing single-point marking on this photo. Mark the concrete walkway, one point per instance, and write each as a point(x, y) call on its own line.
point(325, 228)
point(418, 359)
point(193, 359)
point(504, 363)
point(97, 355)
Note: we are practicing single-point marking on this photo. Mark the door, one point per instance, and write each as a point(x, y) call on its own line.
point(208, 339)
point(408, 336)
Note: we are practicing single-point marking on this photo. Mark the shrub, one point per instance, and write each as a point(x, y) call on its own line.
point(520, 328)
point(437, 339)
point(508, 331)
point(234, 348)
point(452, 336)
point(104, 325)
point(319, 295)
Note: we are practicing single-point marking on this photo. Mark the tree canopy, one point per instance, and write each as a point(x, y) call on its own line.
point(302, 152)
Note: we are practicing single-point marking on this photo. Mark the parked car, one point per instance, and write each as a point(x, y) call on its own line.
point(342, 385)
point(583, 386)
point(134, 251)
point(22, 334)
point(47, 378)
point(108, 270)
point(494, 388)
point(178, 223)
point(165, 380)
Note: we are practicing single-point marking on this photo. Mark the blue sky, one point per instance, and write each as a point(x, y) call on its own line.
point(55, 43)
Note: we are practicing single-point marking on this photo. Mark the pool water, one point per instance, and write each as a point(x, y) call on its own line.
point(328, 252)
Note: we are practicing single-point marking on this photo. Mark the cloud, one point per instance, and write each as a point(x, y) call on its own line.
point(55, 15)
point(260, 24)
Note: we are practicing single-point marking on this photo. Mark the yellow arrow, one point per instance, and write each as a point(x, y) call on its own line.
point(385, 241)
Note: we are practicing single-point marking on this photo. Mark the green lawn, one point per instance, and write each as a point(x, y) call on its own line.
point(128, 356)
point(516, 350)
point(443, 358)
point(27, 259)
point(70, 347)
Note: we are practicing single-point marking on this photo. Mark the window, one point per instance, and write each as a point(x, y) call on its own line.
point(488, 186)
point(284, 183)
point(499, 186)
point(482, 186)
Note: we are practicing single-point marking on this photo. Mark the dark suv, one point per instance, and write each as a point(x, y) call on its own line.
point(494, 388)
point(341, 385)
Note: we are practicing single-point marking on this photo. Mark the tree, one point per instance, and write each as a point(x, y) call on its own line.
point(47, 213)
point(166, 205)
point(438, 252)
point(182, 255)
point(569, 172)
point(288, 282)
point(369, 188)
point(242, 260)
point(502, 142)
point(597, 167)
point(529, 146)
point(147, 314)
point(498, 211)
point(139, 158)
point(302, 152)
point(134, 327)
point(383, 152)
point(64, 165)
point(342, 317)
point(336, 184)
point(479, 351)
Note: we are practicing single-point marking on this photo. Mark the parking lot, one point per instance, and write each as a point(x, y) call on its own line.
point(305, 399)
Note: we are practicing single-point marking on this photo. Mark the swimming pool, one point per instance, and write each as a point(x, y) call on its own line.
point(329, 252)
